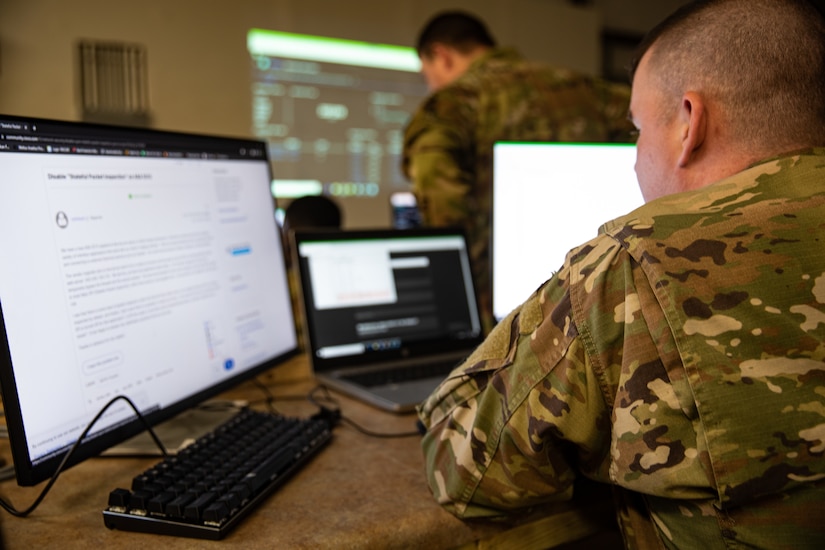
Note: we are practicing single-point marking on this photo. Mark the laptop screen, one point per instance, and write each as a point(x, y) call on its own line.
point(385, 293)
point(132, 262)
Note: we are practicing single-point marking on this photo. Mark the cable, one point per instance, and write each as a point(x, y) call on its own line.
point(270, 398)
point(336, 413)
point(380, 435)
point(23, 513)
point(326, 397)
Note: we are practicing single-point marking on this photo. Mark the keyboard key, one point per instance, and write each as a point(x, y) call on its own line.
point(267, 470)
point(195, 509)
point(139, 500)
point(157, 504)
point(176, 506)
point(232, 500)
point(120, 498)
point(216, 512)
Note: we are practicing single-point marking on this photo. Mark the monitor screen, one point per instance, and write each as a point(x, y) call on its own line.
point(332, 112)
point(547, 199)
point(133, 262)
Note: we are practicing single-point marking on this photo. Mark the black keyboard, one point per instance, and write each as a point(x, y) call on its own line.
point(209, 486)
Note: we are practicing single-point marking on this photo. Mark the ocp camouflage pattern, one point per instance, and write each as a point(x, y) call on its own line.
point(448, 143)
point(679, 356)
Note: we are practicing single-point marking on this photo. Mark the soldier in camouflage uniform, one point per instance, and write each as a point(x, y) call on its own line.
point(680, 355)
point(484, 94)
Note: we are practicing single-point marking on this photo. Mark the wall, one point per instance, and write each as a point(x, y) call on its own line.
point(636, 16)
point(198, 64)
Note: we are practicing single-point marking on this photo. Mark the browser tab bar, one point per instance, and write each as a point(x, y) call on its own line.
point(15, 126)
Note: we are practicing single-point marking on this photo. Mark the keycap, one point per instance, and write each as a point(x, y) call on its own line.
point(195, 508)
point(119, 497)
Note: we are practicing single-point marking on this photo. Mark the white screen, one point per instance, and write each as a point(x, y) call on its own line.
point(154, 278)
point(547, 199)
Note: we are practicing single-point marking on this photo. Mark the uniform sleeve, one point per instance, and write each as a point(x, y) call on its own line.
point(438, 160)
point(505, 429)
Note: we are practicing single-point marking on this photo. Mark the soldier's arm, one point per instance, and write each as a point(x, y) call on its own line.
point(502, 428)
point(438, 161)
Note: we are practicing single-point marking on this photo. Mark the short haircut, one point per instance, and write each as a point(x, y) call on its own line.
point(457, 29)
point(312, 211)
point(762, 60)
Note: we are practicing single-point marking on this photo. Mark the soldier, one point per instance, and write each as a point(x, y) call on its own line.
point(482, 94)
point(680, 355)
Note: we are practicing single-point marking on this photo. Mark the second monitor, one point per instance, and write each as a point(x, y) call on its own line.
point(547, 199)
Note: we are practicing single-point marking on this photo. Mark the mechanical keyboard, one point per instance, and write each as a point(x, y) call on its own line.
point(209, 486)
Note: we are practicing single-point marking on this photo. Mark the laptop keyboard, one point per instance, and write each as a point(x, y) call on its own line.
point(205, 490)
point(397, 375)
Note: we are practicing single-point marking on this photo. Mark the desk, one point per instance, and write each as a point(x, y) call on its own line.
point(359, 492)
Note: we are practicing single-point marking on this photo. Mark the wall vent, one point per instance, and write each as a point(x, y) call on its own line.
point(113, 83)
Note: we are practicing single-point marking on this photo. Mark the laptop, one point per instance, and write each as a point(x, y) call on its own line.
point(388, 313)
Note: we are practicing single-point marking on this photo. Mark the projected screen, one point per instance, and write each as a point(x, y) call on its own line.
point(547, 199)
point(333, 113)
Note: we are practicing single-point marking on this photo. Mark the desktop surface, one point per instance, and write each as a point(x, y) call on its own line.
point(359, 492)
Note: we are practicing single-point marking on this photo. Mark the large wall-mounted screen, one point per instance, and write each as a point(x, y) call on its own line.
point(333, 113)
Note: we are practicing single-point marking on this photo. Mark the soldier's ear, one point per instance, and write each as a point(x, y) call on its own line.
point(448, 58)
point(692, 125)
point(439, 51)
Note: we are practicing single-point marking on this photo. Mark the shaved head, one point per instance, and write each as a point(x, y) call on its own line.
point(759, 63)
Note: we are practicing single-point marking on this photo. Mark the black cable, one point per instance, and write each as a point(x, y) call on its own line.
point(380, 435)
point(326, 397)
point(337, 413)
point(23, 513)
point(269, 397)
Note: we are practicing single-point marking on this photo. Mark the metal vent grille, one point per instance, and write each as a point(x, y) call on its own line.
point(113, 82)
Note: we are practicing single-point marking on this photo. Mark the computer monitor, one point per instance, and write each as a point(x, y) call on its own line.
point(133, 262)
point(547, 199)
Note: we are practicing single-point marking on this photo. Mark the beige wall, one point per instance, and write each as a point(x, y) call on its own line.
point(198, 64)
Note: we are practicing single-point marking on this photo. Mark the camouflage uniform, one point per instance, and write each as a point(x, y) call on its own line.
point(679, 355)
point(448, 144)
